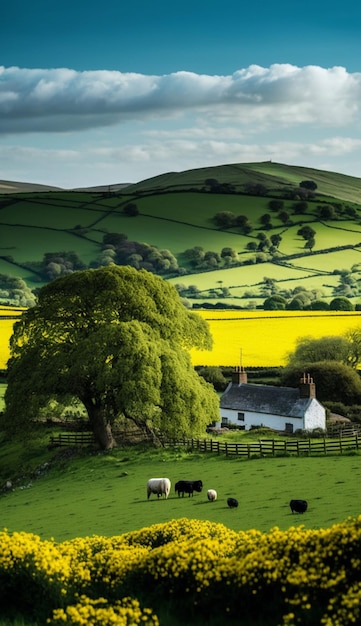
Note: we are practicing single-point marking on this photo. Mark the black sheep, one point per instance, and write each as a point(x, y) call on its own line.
point(232, 503)
point(298, 506)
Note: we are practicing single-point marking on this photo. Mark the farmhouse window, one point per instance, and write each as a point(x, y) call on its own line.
point(224, 421)
point(289, 428)
point(240, 417)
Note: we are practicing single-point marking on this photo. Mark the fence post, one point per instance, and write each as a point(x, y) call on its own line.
point(324, 445)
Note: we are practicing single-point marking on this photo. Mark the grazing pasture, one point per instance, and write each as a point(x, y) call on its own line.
point(106, 494)
point(176, 212)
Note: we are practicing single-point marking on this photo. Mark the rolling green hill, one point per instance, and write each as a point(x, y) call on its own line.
point(45, 233)
point(276, 175)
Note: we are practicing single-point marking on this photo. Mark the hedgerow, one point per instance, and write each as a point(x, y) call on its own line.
point(197, 570)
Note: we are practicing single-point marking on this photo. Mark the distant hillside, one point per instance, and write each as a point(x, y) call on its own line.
point(276, 175)
point(103, 188)
point(230, 235)
point(7, 186)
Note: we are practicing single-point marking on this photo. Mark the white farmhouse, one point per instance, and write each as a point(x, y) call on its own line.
point(281, 408)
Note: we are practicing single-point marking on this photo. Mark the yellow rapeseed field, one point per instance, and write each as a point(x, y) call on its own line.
point(258, 338)
point(264, 338)
point(6, 329)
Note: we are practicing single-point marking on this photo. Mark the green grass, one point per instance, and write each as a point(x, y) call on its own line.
point(267, 173)
point(40, 222)
point(105, 493)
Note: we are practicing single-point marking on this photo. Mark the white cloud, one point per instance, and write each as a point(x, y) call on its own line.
point(93, 165)
point(63, 100)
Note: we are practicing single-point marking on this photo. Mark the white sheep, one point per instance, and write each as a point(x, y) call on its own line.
point(160, 486)
point(212, 495)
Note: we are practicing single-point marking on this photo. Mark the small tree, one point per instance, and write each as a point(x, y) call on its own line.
point(306, 232)
point(275, 303)
point(255, 189)
point(299, 207)
point(213, 375)
point(308, 184)
point(131, 210)
point(310, 243)
point(275, 205)
point(225, 219)
point(265, 220)
point(284, 216)
point(252, 246)
point(353, 336)
point(326, 212)
point(319, 305)
point(341, 304)
point(276, 240)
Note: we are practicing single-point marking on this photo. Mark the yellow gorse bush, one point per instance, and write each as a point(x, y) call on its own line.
point(87, 612)
point(20, 550)
point(194, 568)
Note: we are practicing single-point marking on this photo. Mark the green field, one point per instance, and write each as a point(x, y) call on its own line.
point(175, 213)
point(105, 493)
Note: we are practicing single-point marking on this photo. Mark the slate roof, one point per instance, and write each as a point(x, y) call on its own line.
point(283, 401)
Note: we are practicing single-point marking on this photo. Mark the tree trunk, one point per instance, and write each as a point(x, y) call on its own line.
point(103, 435)
point(101, 428)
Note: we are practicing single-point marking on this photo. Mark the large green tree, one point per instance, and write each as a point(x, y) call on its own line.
point(117, 339)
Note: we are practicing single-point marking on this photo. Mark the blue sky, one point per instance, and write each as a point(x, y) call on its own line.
point(98, 93)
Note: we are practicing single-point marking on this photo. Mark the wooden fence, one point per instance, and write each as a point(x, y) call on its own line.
point(261, 448)
point(80, 438)
point(271, 447)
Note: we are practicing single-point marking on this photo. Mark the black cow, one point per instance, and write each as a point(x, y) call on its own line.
point(232, 503)
point(188, 486)
point(298, 506)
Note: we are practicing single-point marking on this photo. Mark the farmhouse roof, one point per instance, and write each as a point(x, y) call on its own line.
point(285, 401)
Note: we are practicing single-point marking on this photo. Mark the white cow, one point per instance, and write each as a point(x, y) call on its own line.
point(212, 495)
point(159, 486)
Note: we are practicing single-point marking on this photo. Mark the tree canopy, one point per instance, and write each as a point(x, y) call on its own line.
point(332, 361)
point(335, 382)
point(117, 339)
point(331, 348)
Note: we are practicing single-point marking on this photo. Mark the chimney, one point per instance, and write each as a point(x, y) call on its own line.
point(307, 387)
point(239, 375)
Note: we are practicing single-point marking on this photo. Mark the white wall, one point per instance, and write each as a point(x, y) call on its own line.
point(315, 418)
